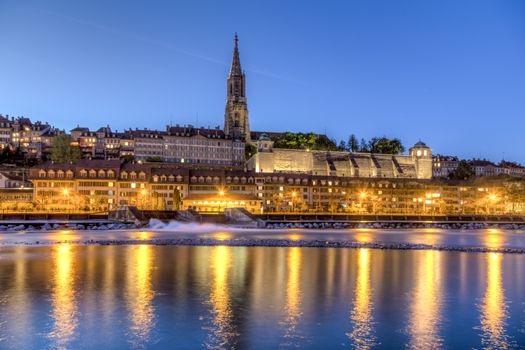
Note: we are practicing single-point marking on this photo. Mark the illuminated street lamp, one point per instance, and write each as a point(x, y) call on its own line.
point(492, 199)
point(221, 195)
point(65, 192)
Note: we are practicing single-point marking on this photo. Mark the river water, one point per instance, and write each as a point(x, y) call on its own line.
point(75, 296)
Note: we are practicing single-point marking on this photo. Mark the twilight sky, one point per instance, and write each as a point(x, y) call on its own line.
point(448, 72)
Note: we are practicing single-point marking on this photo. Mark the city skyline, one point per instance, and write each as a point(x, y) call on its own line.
point(177, 73)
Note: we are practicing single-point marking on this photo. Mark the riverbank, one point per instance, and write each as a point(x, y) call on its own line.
point(50, 226)
point(278, 243)
point(156, 224)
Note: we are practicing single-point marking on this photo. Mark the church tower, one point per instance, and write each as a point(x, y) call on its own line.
point(236, 123)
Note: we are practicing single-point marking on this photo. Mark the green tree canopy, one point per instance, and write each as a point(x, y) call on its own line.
point(385, 145)
point(305, 141)
point(62, 151)
point(353, 144)
point(249, 150)
point(128, 158)
point(154, 159)
point(463, 172)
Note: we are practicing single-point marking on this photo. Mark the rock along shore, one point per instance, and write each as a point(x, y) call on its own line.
point(271, 226)
point(278, 243)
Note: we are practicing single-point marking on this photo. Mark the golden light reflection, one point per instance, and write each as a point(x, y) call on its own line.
point(430, 230)
point(223, 332)
point(65, 313)
point(140, 294)
point(363, 229)
point(494, 307)
point(222, 236)
point(294, 237)
point(293, 292)
point(364, 237)
point(144, 235)
point(361, 314)
point(493, 238)
point(426, 303)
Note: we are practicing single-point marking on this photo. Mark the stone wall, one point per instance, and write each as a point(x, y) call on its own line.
point(343, 164)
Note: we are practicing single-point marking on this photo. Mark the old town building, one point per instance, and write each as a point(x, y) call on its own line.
point(107, 184)
point(32, 139)
point(443, 166)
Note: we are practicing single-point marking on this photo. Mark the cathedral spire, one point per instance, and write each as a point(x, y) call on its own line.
point(235, 68)
point(236, 124)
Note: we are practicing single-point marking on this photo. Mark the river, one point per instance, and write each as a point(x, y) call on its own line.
point(78, 296)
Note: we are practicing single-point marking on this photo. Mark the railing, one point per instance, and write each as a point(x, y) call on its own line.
point(340, 217)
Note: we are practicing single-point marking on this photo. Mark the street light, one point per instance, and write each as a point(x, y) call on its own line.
point(221, 195)
point(492, 199)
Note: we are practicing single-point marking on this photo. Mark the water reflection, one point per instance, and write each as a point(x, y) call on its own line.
point(361, 316)
point(20, 303)
point(494, 313)
point(293, 294)
point(223, 332)
point(426, 303)
point(65, 312)
point(119, 297)
point(140, 294)
point(494, 238)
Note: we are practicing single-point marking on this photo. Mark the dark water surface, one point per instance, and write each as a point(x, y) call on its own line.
point(144, 296)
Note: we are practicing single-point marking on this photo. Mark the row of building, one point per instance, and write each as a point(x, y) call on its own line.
point(33, 139)
point(100, 185)
point(443, 166)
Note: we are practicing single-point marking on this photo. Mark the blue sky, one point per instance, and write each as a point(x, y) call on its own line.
point(448, 72)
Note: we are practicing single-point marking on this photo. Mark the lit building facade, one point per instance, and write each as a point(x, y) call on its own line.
point(416, 165)
point(108, 184)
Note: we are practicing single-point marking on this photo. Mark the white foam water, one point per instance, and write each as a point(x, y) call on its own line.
point(174, 226)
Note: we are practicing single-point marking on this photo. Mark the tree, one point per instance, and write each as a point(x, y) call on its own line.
point(515, 194)
point(363, 146)
point(177, 200)
point(353, 144)
point(305, 141)
point(62, 151)
point(128, 158)
point(161, 204)
point(154, 159)
point(385, 145)
point(342, 146)
point(249, 150)
point(463, 172)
